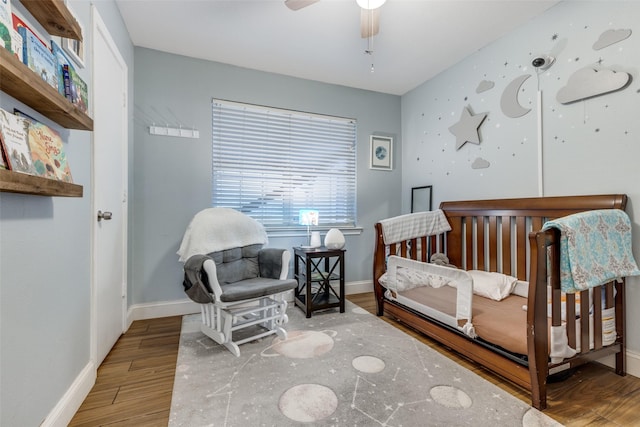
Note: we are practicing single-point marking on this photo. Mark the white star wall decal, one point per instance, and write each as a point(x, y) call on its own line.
point(466, 130)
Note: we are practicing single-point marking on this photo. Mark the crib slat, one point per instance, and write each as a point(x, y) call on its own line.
point(584, 322)
point(468, 243)
point(597, 318)
point(493, 244)
point(454, 250)
point(521, 248)
point(571, 319)
point(414, 248)
point(556, 307)
point(506, 245)
point(609, 298)
point(536, 223)
point(480, 242)
point(431, 241)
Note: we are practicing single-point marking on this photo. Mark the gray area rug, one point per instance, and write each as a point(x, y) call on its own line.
point(334, 369)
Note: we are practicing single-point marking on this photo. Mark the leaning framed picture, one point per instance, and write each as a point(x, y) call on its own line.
point(421, 198)
point(381, 155)
point(75, 48)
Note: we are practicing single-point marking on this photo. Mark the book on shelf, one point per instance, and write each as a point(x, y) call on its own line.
point(18, 22)
point(3, 155)
point(75, 89)
point(47, 152)
point(6, 24)
point(15, 139)
point(17, 44)
point(61, 61)
point(38, 57)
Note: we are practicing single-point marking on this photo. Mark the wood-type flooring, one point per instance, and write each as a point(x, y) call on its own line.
point(135, 381)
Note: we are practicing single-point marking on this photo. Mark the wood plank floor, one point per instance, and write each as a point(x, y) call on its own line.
point(135, 382)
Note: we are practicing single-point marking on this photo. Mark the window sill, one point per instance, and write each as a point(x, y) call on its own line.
point(302, 232)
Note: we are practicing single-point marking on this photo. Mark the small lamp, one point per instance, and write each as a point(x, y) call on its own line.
point(308, 217)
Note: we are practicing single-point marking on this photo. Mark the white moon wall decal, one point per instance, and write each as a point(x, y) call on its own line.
point(509, 101)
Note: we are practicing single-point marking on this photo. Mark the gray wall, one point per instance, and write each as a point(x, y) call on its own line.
point(45, 247)
point(172, 176)
point(590, 147)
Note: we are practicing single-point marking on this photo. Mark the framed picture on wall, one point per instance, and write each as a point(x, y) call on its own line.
point(74, 48)
point(381, 155)
point(421, 198)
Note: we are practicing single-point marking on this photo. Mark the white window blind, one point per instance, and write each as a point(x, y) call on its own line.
point(269, 163)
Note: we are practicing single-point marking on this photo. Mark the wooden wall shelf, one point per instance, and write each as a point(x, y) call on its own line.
point(17, 80)
point(55, 17)
point(16, 182)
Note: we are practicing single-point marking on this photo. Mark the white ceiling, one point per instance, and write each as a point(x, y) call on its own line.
point(418, 38)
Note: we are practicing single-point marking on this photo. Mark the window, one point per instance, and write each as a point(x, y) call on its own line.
point(269, 163)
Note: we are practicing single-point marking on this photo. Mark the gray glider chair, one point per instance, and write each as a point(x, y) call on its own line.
point(237, 282)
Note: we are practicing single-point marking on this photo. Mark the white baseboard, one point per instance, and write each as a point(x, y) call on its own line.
point(358, 287)
point(67, 407)
point(185, 306)
point(154, 310)
point(633, 363)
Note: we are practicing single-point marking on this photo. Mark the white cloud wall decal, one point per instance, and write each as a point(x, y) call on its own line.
point(589, 82)
point(610, 37)
point(484, 86)
point(480, 163)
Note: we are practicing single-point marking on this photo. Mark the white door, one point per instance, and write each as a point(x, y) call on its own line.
point(110, 136)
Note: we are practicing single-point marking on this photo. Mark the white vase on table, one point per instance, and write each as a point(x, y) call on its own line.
point(315, 239)
point(334, 239)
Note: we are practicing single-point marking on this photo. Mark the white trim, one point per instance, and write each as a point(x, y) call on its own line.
point(68, 405)
point(155, 310)
point(99, 28)
point(358, 287)
point(633, 362)
point(185, 306)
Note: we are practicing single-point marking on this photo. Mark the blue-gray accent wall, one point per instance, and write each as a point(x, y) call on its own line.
point(172, 176)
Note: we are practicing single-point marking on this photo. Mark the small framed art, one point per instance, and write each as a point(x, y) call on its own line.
point(381, 155)
point(75, 48)
point(421, 198)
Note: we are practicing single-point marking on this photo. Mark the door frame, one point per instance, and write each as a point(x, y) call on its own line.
point(98, 26)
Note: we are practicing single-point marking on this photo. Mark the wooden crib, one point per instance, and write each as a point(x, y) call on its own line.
point(504, 236)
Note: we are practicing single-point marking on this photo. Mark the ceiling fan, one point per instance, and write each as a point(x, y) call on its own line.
point(369, 14)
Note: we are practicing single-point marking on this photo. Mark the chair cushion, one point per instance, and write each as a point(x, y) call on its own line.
point(254, 288)
point(233, 265)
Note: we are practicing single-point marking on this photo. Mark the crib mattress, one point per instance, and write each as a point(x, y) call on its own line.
point(503, 323)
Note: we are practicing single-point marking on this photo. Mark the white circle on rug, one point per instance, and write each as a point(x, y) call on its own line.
point(301, 344)
point(307, 403)
point(451, 397)
point(368, 364)
point(535, 418)
point(359, 310)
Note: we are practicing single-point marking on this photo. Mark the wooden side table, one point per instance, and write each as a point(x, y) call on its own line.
point(318, 272)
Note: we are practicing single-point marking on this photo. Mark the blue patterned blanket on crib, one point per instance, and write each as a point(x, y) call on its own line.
point(595, 248)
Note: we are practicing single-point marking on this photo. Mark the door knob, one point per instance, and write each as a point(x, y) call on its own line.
point(104, 215)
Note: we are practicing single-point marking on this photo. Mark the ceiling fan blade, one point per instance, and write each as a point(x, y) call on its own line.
point(299, 4)
point(369, 22)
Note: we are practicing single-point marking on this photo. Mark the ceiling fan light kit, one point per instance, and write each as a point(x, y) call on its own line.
point(369, 19)
point(370, 4)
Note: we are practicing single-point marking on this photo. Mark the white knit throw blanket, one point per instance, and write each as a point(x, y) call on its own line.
point(218, 229)
point(414, 225)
